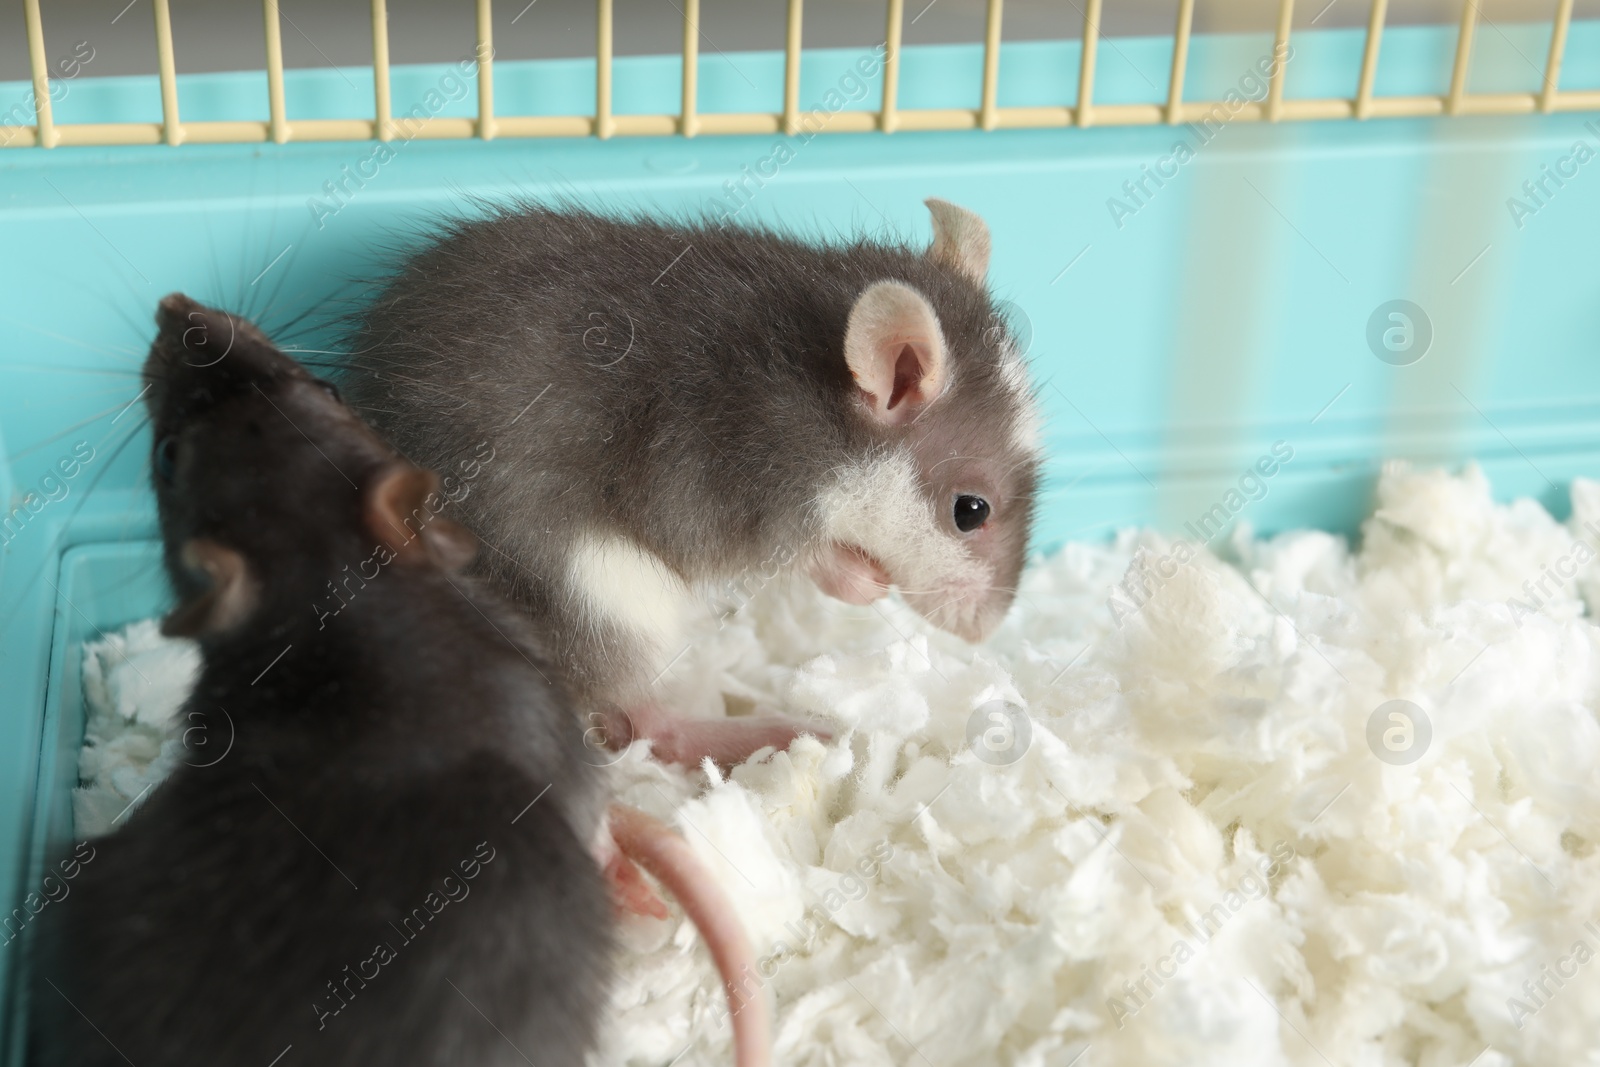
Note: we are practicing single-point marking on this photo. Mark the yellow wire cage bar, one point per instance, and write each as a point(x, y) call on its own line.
point(690, 122)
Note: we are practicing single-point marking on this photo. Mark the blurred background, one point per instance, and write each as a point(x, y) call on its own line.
point(216, 35)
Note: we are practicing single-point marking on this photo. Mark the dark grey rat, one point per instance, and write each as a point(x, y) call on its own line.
point(680, 406)
point(395, 861)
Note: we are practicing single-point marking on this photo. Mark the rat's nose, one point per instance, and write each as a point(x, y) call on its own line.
point(186, 331)
point(173, 311)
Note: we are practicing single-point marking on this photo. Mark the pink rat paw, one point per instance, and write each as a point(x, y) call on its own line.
point(847, 573)
point(631, 891)
point(726, 742)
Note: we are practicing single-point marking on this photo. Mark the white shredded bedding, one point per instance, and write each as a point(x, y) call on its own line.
point(1191, 826)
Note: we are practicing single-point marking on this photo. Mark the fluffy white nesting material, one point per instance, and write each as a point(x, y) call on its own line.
point(1199, 858)
point(133, 685)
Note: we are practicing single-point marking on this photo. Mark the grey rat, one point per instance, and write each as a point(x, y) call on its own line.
point(679, 406)
point(398, 859)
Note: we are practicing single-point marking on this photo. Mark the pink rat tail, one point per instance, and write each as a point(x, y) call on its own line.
point(655, 847)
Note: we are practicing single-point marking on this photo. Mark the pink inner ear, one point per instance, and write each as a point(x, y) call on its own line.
point(908, 375)
point(895, 351)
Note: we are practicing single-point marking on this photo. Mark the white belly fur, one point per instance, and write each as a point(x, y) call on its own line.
point(633, 589)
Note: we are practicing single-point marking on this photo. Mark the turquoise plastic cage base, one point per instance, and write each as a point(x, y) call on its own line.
point(1174, 339)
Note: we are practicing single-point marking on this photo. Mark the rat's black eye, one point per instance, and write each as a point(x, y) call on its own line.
point(331, 389)
point(971, 512)
point(166, 458)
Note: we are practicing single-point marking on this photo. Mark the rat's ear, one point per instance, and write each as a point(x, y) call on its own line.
point(895, 351)
point(400, 508)
point(960, 239)
point(229, 598)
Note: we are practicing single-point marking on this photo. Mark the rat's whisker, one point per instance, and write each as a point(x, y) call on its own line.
point(22, 598)
point(951, 459)
point(129, 355)
point(57, 368)
point(37, 445)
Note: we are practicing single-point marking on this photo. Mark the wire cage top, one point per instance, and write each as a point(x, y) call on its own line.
point(791, 116)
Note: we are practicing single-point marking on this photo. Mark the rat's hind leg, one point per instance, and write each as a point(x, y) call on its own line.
point(679, 739)
point(631, 892)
